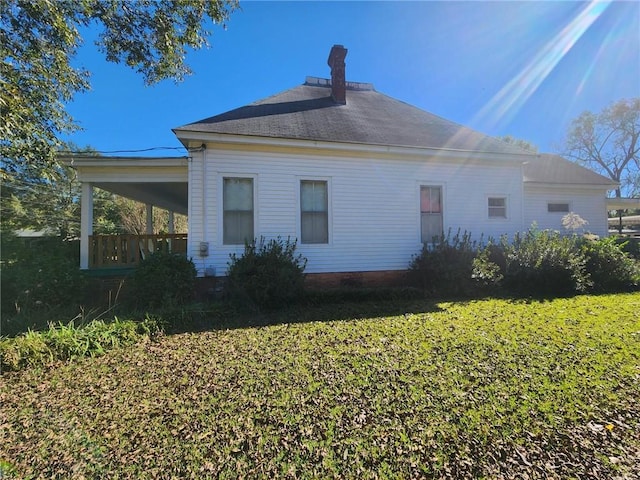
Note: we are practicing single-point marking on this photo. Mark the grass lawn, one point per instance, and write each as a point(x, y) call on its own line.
point(480, 389)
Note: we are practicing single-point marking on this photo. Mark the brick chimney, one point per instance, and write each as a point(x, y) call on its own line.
point(338, 81)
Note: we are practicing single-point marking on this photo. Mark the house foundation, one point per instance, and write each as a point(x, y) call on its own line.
point(375, 279)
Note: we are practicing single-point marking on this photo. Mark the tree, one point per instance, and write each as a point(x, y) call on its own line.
point(39, 38)
point(133, 218)
point(52, 203)
point(525, 145)
point(608, 142)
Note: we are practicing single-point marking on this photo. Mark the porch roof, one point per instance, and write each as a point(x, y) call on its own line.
point(160, 181)
point(623, 203)
point(172, 196)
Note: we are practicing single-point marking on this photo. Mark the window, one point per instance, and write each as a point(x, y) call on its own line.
point(558, 207)
point(314, 211)
point(497, 207)
point(430, 213)
point(237, 201)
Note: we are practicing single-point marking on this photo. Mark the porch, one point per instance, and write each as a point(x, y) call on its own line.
point(157, 182)
point(127, 251)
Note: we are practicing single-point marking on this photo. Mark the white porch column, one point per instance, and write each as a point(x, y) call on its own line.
point(86, 223)
point(149, 219)
point(171, 227)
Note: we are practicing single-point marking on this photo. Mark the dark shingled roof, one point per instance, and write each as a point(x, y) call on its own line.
point(549, 168)
point(307, 112)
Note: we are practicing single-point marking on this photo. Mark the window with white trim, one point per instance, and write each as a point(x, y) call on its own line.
point(558, 207)
point(430, 213)
point(237, 204)
point(497, 207)
point(314, 211)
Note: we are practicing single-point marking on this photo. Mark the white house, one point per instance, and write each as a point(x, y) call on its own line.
point(360, 179)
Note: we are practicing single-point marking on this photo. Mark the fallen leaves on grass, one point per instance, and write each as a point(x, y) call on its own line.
point(495, 388)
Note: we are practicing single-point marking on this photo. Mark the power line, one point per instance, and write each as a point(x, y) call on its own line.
point(91, 152)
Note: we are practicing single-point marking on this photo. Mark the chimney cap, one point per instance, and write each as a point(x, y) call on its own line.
point(337, 55)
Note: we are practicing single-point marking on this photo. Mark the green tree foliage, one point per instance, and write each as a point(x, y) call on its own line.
point(609, 142)
point(39, 38)
point(133, 218)
point(518, 142)
point(41, 275)
point(51, 203)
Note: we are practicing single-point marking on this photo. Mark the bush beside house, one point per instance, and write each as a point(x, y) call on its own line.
point(446, 266)
point(268, 275)
point(544, 262)
point(162, 280)
point(538, 262)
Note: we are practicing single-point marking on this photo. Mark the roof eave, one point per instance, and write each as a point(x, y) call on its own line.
point(190, 137)
point(99, 161)
point(623, 203)
point(604, 186)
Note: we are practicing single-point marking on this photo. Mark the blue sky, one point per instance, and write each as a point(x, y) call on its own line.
point(504, 68)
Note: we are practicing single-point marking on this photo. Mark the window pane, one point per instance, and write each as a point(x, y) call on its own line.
point(436, 206)
point(238, 227)
point(431, 226)
point(237, 207)
point(314, 212)
point(431, 213)
point(497, 207)
point(314, 227)
point(238, 194)
point(497, 212)
point(430, 200)
point(313, 196)
point(558, 207)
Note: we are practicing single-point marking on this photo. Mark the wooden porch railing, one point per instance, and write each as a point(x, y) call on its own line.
point(127, 250)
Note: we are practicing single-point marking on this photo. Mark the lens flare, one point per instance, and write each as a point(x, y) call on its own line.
point(506, 103)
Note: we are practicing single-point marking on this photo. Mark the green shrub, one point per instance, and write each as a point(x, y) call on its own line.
point(269, 275)
point(630, 246)
point(41, 276)
point(163, 279)
point(67, 341)
point(489, 266)
point(543, 262)
point(610, 268)
point(446, 266)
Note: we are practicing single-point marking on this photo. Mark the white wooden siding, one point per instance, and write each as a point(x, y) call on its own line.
point(198, 219)
point(374, 205)
point(590, 204)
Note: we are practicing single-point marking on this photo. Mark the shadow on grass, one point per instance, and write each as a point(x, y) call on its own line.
point(15, 323)
point(325, 306)
point(317, 306)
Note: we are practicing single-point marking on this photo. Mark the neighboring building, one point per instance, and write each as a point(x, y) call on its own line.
point(28, 234)
point(359, 178)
